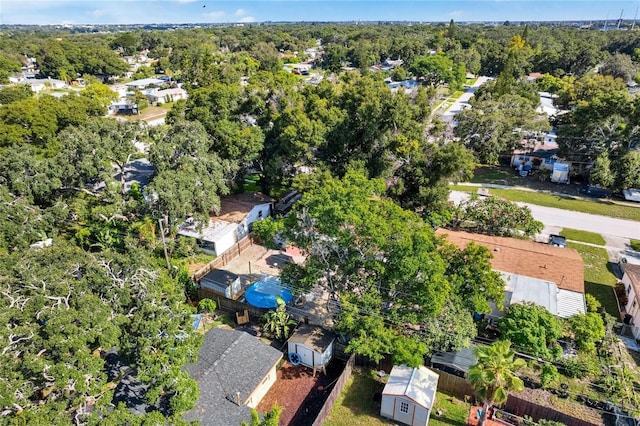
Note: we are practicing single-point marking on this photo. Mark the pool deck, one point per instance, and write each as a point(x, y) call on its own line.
point(258, 260)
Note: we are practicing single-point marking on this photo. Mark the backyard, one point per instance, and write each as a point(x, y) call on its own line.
point(358, 405)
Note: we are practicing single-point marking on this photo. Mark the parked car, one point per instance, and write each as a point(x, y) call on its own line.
point(557, 241)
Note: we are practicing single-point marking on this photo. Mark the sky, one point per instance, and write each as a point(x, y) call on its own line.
point(43, 12)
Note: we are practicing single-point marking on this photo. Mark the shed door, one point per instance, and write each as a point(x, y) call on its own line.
point(403, 411)
point(306, 355)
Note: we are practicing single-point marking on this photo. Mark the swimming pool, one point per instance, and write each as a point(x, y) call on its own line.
point(263, 293)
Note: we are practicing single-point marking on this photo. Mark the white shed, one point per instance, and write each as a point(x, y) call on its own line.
point(312, 345)
point(560, 173)
point(409, 395)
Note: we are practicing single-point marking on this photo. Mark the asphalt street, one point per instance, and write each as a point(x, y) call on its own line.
point(463, 101)
point(552, 217)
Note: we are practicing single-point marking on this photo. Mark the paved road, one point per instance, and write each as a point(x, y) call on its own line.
point(463, 101)
point(552, 217)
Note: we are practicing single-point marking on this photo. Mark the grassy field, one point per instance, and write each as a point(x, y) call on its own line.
point(635, 245)
point(603, 208)
point(150, 112)
point(356, 407)
point(583, 236)
point(599, 278)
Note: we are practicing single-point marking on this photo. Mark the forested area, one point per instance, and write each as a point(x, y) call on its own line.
point(374, 165)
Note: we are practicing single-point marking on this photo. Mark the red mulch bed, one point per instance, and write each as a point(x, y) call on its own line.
point(299, 393)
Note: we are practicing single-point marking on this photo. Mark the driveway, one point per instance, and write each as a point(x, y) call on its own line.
point(552, 217)
point(463, 101)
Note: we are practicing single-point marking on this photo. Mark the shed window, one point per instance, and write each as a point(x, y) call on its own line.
point(634, 304)
point(404, 407)
point(629, 289)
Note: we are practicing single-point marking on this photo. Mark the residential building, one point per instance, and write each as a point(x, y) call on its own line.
point(234, 371)
point(631, 281)
point(552, 277)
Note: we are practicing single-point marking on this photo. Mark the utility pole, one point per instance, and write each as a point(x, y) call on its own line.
point(634, 19)
point(164, 245)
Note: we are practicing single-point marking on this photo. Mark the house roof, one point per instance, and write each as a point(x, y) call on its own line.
point(562, 266)
point(540, 149)
point(212, 232)
point(418, 384)
point(234, 208)
point(316, 338)
point(563, 303)
point(220, 276)
point(229, 362)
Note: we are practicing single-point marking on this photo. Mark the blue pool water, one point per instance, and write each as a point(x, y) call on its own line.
point(263, 294)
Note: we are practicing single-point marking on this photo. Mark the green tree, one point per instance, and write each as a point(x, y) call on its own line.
point(190, 177)
point(588, 329)
point(494, 127)
point(475, 283)
point(549, 375)
point(620, 66)
point(532, 329)
point(267, 230)
point(436, 70)
point(495, 375)
point(627, 169)
point(271, 418)
point(15, 93)
point(207, 306)
point(495, 216)
point(601, 173)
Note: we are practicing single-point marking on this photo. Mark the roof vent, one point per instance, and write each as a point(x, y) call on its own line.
point(496, 249)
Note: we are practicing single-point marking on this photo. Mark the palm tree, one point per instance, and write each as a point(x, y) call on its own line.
point(493, 376)
point(278, 323)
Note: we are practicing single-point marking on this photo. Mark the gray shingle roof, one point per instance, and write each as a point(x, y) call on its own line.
point(229, 362)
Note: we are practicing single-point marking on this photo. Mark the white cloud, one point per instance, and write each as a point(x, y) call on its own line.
point(240, 12)
point(247, 19)
point(456, 13)
point(217, 14)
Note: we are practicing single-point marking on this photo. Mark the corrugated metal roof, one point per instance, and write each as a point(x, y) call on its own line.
point(570, 303)
point(418, 384)
point(527, 289)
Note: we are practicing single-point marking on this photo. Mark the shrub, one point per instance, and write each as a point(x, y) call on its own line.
point(207, 306)
point(549, 375)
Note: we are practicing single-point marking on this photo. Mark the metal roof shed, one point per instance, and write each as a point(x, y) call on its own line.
point(409, 395)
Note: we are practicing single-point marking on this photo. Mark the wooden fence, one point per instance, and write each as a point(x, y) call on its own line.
point(226, 257)
point(521, 407)
point(231, 306)
point(461, 388)
point(335, 392)
point(454, 385)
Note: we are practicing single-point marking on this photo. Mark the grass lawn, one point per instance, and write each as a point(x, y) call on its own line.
point(147, 113)
point(495, 175)
point(603, 208)
point(583, 236)
point(599, 278)
point(454, 411)
point(635, 245)
point(355, 405)
point(250, 183)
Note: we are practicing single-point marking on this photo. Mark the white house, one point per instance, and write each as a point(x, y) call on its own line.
point(409, 395)
point(167, 95)
point(244, 209)
point(631, 281)
point(312, 345)
point(215, 238)
point(144, 83)
point(39, 84)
